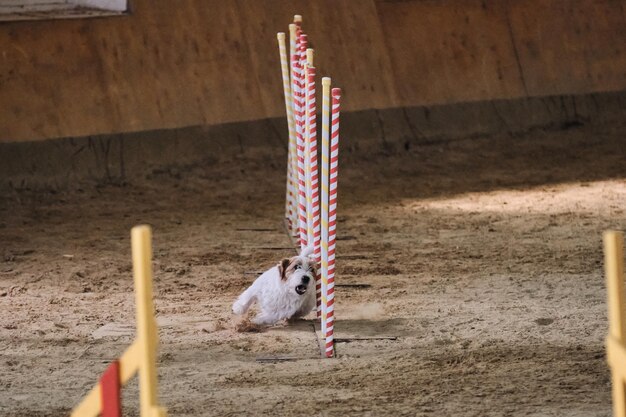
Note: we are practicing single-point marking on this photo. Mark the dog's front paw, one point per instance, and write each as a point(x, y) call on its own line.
point(239, 308)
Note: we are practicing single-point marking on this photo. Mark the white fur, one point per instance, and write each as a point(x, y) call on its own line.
point(277, 298)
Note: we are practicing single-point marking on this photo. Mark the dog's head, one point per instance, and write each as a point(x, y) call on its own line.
point(299, 273)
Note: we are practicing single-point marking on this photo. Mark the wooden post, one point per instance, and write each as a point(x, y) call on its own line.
point(614, 270)
point(140, 356)
point(141, 237)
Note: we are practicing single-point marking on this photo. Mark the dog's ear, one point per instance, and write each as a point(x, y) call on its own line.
point(308, 251)
point(282, 268)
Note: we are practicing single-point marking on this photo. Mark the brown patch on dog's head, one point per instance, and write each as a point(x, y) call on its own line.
point(283, 266)
point(287, 266)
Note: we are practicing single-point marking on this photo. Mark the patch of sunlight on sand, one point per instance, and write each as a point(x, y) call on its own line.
point(601, 197)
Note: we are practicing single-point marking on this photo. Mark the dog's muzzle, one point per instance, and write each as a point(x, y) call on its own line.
point(301, 289)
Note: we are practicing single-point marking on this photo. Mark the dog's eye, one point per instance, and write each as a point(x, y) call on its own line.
point(298, 266)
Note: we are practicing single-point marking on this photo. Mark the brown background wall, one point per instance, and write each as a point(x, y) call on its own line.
point(197, 62)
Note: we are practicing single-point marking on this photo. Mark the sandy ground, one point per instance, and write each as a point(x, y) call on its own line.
point(483, 256)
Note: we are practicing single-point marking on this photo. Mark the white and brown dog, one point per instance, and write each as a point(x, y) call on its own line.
point(287, 290)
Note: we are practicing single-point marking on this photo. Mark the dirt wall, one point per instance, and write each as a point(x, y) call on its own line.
point(129, 157)
point(197, 62)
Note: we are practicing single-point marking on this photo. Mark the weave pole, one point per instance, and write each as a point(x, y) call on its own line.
point(307, 140)
point(294, 151)
point(294, 28)
point(284, 65)
point(295, 81)
point(615, 341)
point(293, 49)
point(315, 201)
point(140, 357)
point(300, 143)
point(291, 187)
point(324, 201)
point(332, 221)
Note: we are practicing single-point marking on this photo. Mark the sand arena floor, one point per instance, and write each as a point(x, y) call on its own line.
point(483, 256)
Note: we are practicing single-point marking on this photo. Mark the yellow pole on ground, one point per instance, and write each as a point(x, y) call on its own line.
point(140, 356)
point(141, 237)
point(616, 352)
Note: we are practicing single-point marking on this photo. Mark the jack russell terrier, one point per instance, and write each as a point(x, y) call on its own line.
point(284, 291)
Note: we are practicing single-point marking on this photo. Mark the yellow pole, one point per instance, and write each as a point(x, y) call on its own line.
point(309, 56)
point(291, 149)
point(324, 198)
point(614, 270)
point(140, 357)
point(141, 237)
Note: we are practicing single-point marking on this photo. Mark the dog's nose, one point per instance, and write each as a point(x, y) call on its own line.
point(305, 279)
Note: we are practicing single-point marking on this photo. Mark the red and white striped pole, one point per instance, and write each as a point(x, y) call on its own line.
point(300, 135)
point(332, 222)
point(314, 179)
point(308, 58)
point(293, 50)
